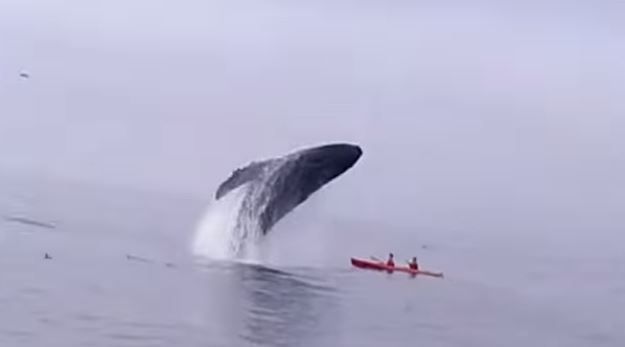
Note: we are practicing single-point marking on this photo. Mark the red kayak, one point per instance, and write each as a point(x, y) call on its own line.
point(381, 266)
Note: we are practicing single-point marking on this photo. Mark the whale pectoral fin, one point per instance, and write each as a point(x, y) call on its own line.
point(241, 176)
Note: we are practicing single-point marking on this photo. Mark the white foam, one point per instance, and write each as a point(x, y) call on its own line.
point(215, 237)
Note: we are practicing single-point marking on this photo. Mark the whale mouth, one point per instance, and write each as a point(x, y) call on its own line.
point(337, 151)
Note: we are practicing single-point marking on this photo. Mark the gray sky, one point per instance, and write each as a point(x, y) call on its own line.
point(483, 116)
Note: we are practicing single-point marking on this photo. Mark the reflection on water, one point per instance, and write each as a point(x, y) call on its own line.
point(283, 308)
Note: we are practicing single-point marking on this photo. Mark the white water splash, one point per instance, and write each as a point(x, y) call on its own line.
point(215, 236)
point(229, 229)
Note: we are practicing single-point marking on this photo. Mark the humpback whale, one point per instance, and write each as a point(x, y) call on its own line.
point(274, 187)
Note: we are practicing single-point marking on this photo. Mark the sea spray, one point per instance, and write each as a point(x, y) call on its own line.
point(215, 235)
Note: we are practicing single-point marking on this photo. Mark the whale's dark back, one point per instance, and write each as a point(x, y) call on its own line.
point(287, 182)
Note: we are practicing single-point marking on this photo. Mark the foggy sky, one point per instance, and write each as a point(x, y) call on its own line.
point(485, 117)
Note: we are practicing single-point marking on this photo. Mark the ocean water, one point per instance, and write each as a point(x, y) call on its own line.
point(122, 274)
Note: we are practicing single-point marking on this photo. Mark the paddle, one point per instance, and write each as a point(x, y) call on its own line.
point(376, 259)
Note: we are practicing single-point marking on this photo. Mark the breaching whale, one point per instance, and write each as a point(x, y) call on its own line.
point(274, 187)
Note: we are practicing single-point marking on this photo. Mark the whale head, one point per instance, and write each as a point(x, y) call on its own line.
point(317, 166)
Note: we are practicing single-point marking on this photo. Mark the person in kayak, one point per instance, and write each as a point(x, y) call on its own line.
point(413, 265)
point(390, 262)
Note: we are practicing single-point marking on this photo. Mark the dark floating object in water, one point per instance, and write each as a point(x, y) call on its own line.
point(28, 221)
point(146, 260)
point(24, 74)
point(47, 256)
point(135, 258)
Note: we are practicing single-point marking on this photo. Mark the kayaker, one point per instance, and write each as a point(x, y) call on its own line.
point(413, 264)
point(390, 261)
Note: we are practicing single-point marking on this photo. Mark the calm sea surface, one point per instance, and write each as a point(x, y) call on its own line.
point(121, 275)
